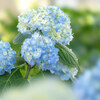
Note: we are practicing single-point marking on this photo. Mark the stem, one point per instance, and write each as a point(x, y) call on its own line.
point(43, 74)
point(28, 70)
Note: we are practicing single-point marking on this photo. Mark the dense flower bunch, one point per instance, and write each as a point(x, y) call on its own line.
point(7, 58)
point(40, 50)
point(25, 20)
point(46, 26)
point(50, 20)
point(64, 72)
point(88, 85)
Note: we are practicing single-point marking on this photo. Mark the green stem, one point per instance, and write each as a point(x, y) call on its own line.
point(28, 70)
point(43, 74)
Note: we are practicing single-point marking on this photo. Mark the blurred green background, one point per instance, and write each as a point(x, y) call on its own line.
point(85, 22)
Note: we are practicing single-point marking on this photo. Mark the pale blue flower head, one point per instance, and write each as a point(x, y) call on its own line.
point(41, 51)
point(64, 72)
point(7, 58)
point(24, 21)
point(87, 87)
point(52, 22)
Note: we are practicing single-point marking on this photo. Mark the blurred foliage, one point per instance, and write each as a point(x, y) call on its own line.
point(86, 42)
point(12, 26)
point(15, 79)
point(86, 29)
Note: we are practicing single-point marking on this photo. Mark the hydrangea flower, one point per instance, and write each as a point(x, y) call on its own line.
point(64, 72)
point(87, 87)
point(50, 20)
point(7, 58)
point(24, 21)
point(41, 51)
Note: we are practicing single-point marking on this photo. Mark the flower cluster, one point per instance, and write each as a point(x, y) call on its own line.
point(41, 51)
point(7, 58)
point(24, 21)
point(46, 26)
point(50, 20)
point(64, 72)
point(87, 87)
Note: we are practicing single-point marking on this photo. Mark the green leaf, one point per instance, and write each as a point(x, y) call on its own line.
point(20, 38)
point(34, 71)
point(19, 61)
point(67, 56)
point(10, 80)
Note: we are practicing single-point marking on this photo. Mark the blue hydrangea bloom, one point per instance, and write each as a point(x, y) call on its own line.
point(87, 87)
point(41, 51)
point(52, 22)
point(64, 72)
point(7, 58)
point(24, 21)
